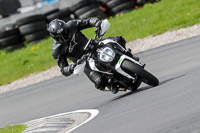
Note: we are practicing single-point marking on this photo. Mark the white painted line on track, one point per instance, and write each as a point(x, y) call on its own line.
point(93, 113)
point(42, 123)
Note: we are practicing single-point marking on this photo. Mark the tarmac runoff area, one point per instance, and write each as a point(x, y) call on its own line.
point(61, 123)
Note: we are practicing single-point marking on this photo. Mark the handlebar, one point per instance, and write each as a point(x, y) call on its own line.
point(81, 60)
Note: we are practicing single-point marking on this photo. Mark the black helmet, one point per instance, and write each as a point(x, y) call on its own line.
point(58, 30)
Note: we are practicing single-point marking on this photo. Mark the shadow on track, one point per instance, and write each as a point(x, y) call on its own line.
point(147, 87)
point(168, 80)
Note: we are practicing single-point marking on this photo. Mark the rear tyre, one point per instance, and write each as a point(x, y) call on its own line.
point(132, 69)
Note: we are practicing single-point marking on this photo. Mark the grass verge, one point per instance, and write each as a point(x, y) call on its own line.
point(13, 129)
point(152, 19)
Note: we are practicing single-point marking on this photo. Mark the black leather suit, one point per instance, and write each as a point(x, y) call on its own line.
point(73, 49)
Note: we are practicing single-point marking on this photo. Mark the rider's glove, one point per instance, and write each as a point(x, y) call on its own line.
point(95, 22)
point(68, 70)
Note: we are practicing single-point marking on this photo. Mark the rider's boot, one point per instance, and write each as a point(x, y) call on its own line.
point(114, 89)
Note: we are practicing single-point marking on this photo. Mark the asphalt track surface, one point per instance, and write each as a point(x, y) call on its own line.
point(171, 107)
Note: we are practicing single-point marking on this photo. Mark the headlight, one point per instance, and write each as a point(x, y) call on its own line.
point(106, 54)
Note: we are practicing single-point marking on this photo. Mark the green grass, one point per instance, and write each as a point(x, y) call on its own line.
point(152, 19)
point(13, 129)
point(155, 19)
point(33, 58)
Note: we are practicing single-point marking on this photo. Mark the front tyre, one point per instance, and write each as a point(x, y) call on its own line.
point(132, 69)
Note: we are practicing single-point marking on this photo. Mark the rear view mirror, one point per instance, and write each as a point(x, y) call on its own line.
point(105, 25)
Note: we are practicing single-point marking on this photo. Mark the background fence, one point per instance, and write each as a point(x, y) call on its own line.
point(21, 28)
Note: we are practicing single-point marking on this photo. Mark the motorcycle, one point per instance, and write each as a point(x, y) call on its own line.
point(116, 63)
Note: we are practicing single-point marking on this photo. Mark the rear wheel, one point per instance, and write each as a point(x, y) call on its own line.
point(132, 69)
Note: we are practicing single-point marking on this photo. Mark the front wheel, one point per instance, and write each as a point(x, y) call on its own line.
point(132, 69)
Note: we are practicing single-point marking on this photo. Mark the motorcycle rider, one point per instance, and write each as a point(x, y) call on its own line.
point(69, 42)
